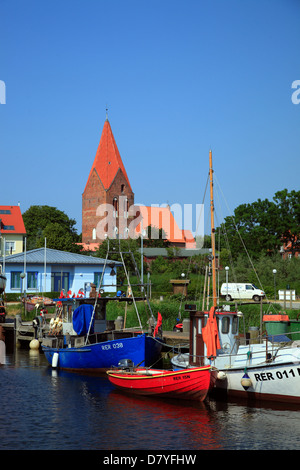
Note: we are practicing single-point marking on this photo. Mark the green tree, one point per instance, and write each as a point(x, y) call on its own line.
point(156, 238)
point(48, 222)
point(262, 226)
point(289, 221)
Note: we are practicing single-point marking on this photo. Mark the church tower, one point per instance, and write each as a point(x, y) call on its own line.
point(107, 183)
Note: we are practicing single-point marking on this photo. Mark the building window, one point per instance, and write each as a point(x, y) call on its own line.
point(122, 188)
point(94, 234)
point(5, 211)
point(15, 280)
point(97, 279)
point(59, 281)
point(10, 247)
point(126, 207)
point(32, 277)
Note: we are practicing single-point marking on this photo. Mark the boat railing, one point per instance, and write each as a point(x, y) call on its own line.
point(267, 352)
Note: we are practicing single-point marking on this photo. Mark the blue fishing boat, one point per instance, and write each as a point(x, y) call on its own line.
point(82, 339)
point(90, 343)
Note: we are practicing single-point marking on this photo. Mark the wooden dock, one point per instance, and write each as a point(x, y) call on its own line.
point(20, 332)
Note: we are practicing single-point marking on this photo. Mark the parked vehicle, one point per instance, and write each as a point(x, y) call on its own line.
point(240, 291)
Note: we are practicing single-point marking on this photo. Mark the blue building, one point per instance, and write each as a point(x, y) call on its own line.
point(48, 270)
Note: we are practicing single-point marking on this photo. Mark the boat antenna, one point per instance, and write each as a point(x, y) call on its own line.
point(213, 243)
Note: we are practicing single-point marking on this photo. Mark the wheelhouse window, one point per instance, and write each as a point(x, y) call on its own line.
point(235, 324)
point(225, 325)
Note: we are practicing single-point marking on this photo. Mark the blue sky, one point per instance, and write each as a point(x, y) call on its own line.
point(179, 78)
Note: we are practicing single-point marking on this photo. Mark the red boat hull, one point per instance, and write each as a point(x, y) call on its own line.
point(189, 384)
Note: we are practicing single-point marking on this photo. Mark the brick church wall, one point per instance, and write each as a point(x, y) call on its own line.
point(95, 195)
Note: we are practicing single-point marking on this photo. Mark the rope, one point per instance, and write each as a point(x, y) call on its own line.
point(190, 260)
point(243, 243)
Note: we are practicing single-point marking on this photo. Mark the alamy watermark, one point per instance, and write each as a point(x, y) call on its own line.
point(177, 222)
point(2, 92)
point(296, 94)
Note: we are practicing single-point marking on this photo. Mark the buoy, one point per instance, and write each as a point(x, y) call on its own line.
point(221, 375)
point(55, 360)
point(34, 344)
point(246, 382)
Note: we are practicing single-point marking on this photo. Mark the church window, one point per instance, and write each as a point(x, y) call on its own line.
point(115, 206)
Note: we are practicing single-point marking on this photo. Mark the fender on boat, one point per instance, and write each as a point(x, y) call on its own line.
point(55, 360)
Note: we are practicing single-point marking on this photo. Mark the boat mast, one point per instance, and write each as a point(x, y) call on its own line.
point(213, 246)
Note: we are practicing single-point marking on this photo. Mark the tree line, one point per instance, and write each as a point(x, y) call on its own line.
point(260, 228)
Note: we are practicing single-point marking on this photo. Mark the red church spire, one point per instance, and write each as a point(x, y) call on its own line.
point(108, 160)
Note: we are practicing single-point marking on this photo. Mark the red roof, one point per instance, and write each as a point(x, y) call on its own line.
point(11, 220)
point(162, 218)
point(89, 246)
point(108, 160)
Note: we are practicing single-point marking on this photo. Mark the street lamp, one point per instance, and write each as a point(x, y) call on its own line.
point(226, 272)
point(274, 272)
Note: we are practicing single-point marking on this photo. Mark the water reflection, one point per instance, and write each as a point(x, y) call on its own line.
point(51, 409)
point(171, 423)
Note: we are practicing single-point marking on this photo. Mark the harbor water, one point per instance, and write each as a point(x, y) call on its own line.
point(45, 409)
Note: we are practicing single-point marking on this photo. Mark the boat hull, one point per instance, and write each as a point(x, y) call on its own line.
point(277, 381)
point(99, 357)
point(189, 384)
point(274, 382)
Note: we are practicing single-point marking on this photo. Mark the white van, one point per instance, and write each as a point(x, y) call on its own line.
point(241, 291)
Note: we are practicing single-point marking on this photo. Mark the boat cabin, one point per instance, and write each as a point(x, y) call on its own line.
point(65, 308)
point(227, 324)
point(65, 330)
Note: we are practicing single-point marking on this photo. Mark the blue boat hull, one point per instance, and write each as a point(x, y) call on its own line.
point(104, 355)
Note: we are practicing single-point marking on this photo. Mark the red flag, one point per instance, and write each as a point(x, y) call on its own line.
point(158, 324)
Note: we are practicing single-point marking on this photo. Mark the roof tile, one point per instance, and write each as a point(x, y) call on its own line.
point(37, 256)
point(108, 160)
point(11, 218)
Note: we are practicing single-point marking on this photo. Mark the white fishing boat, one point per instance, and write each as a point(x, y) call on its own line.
point(265, 369)
point(269, 370)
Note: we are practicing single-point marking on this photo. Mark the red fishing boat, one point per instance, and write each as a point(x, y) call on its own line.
point(189, 384)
